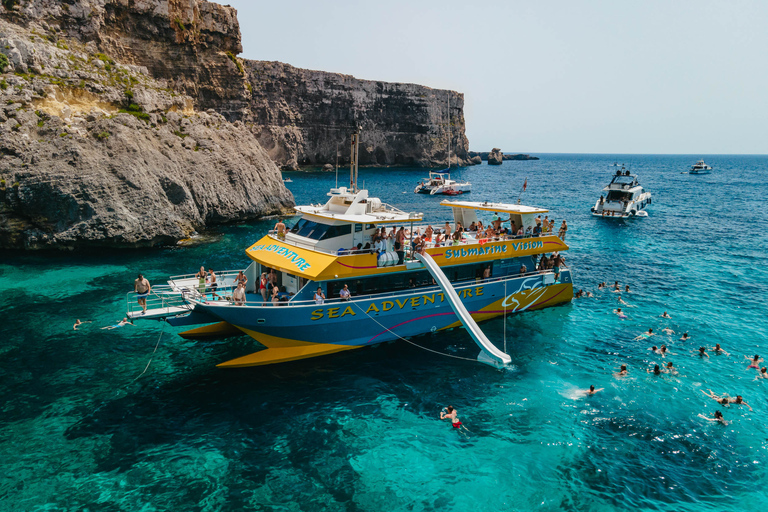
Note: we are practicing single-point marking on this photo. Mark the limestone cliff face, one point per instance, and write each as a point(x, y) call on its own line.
point(299, 116)
point(96, 153)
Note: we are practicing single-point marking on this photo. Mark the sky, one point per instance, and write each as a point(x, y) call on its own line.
point(681, 77)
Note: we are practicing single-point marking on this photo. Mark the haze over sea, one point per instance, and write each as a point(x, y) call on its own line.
point(360, 430)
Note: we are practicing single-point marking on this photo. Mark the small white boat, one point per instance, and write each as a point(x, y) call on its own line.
point(440, 182)
point(700, 168)
point(287, 180)
point(624, 197)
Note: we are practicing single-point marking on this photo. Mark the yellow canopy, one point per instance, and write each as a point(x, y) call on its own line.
point(291, 259)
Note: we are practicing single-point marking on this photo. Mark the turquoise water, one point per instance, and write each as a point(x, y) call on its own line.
point(360, 430)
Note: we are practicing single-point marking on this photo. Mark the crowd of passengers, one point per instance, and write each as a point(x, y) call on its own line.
point(383, 241)
point(546, 263)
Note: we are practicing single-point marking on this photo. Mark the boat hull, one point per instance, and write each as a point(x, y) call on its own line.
point(300, 332)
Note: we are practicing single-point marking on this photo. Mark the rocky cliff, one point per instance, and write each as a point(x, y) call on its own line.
point(300, 115)
point(483, 155)
point(97, 153)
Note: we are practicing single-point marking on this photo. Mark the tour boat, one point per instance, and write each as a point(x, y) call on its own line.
point(700, 168)
point(440, 182)
point(395, 292)
point(624, 197)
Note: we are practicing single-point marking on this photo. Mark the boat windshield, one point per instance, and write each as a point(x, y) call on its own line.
point(318, 231)
point(618, 195)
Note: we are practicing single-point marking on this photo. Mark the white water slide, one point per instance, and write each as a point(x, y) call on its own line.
point(490, 354)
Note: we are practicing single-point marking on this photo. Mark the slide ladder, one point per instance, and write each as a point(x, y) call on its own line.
point(489, 353)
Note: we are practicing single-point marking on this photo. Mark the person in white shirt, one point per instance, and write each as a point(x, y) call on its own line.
point(319, 296)
point(344, 293)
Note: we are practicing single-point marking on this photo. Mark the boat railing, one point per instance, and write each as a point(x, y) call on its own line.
point(225, 276)
point(160, 298)
point(378, 296)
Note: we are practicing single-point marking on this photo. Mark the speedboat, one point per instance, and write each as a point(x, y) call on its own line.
point(700, 168)
point(440, 182)
point(337, 291)
point(624, 197)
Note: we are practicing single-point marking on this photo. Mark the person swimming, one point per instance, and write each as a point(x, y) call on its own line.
point(122, 322)
point(754, 362)
point(740, 401)
point(656, 370)
point(722, 400)
point(685, 337)
point(449, 413)
point(654, 349)
point(623, 372)
point(646, 334)
point(592, 390)
point(671, 368)
point(763, 373)
point(616, 287)
point(665, 315)
point(601, 286)
point(718, 417)
point(78, 323)
point(717, 350)
point(667, 330)
point(619, 313)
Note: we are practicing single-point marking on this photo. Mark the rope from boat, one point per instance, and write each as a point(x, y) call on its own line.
point(409, 341)
point(162, 329)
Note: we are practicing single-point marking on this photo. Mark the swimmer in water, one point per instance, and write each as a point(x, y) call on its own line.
point(78, 323)
point(665, 315)
point(717, 350)
point(592, 390)
point(122, 322)
point(740, 401)
point(449, 413)
point(685, 337)
point(589, 294)
point(601, 286)
point(664, 352)
point(763, 373)
point(667, 330)
point(619, 313)
point(753, 363)
point(647, 334)
point(718, 418)
point(656, 370)
point(579, 294)
point(722, 400)
point(626, 289)
point(616, 287)
point(654, 349)
point(623, 372)
point(671, 369)
point(703, 352)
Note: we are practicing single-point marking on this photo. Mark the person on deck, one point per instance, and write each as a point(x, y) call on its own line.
point(142, 288)
point(238, 296)
point(563, 230)
point(263, 282)
point(319, 296)
point(280, 228)
point(344, 293)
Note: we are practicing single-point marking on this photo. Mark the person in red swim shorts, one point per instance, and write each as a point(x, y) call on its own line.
point(449, 413)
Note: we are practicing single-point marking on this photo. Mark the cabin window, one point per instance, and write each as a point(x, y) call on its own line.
point(334, 231)
point(358, 228)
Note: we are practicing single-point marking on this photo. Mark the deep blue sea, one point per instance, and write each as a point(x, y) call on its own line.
point(81, 428)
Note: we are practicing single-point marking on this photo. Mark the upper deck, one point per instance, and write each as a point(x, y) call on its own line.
point(337, 239)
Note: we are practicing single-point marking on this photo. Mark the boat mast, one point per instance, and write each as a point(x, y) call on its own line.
point(355, 152)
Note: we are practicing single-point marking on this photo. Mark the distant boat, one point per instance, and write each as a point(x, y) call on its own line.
point(287, 180)
point(700, 168)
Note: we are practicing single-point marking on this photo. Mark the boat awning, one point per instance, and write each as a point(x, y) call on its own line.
point(494, 207)
point(289, 258)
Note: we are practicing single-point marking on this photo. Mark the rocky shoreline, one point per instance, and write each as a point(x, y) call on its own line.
point(484, 156)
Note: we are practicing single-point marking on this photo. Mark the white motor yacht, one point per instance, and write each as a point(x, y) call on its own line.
point(624, 197)
point(440, 182)
point(700, 168)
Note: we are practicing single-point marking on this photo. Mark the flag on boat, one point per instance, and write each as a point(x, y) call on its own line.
point(525, 184)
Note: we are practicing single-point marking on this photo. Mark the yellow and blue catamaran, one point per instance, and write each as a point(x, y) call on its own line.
point(447, 283)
